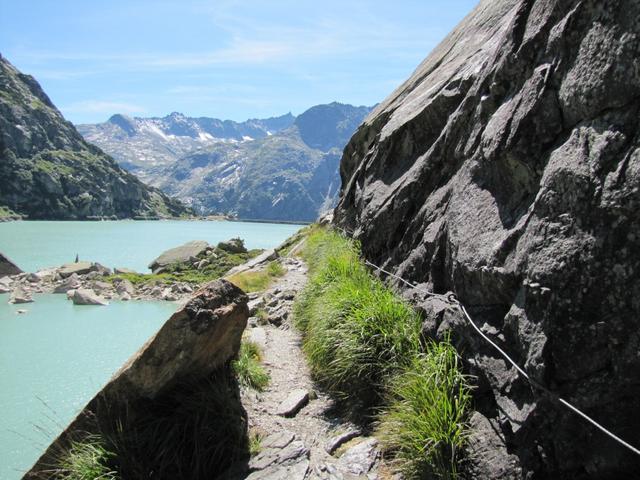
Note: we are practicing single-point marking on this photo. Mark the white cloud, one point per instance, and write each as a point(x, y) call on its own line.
point(100, 106)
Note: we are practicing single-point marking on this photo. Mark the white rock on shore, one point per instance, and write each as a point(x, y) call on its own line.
point(85, 296)
point(20, 295)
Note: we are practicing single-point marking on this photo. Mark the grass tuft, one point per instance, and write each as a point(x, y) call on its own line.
point(424, 424)
point(247, 367)
point(255, 281)
point(87, 460)
point(255, 442)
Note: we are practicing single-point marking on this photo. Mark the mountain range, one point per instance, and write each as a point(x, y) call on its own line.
point(141, 143)
point(283, 168)
point(48, 171)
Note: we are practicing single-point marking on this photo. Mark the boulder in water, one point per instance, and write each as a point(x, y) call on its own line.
point(85, 296)
point(20, 295)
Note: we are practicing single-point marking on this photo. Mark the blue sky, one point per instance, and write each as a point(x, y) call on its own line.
point(223, 58)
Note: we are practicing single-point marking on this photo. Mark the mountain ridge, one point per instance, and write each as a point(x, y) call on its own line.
point(48, 171)
point(288, 173)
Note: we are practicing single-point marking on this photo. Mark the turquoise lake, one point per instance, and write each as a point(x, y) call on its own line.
point(57, 355)
point(127, 243)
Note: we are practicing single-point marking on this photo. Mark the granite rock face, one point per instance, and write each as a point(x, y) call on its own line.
point(47, 170)
point(507, 170)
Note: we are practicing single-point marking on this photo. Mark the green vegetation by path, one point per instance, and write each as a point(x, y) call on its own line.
point(357, 332)
point(247, 368)
point(424, 423)
point(255, 281)
point(364, 345)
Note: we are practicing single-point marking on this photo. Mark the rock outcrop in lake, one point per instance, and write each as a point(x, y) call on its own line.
point(48, 171)
point(173, 411)
point(507, 170)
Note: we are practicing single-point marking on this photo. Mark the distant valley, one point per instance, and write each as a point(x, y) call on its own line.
point(281, 168)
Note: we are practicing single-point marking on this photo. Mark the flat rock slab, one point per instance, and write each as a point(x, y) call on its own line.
point(179, 254)
point(122, 270)
point(288, 455)
point(265, 256)
point(296, 400)
point(84, 296)
point(361, 458)
point(79, 268)
point(335, 442)
point(278, 440)
point(297, 471)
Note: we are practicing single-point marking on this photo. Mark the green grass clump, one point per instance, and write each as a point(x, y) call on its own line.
point(364, 345)
point(357, 331)
point(6, 212)
point(247, 367)
point(87, 460)
point(263, 316)
point(255, 443)
point(256, 281)
point(424, 424)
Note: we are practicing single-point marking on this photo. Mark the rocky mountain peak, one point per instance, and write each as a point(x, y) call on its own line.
point(127, 124)
point(329, 126)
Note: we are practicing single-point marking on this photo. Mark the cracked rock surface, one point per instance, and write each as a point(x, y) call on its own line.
point(507, 170)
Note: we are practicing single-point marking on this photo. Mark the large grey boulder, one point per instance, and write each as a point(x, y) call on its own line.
point(20, 295)
point(179, 254)
point(123, 286)
point(7, 267)
point(507, 169)
point(86, 296)
point(188, 355)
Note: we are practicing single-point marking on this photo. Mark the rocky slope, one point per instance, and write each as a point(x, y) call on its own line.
point(139, 144)
point(507, 170)
point(291, 174)
point(47, 170)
